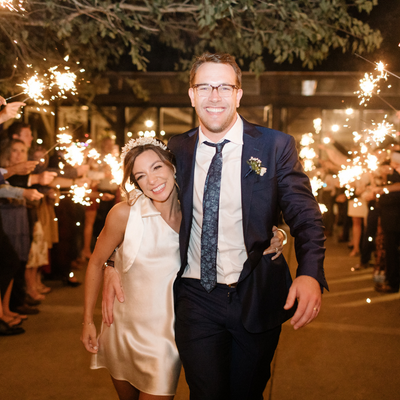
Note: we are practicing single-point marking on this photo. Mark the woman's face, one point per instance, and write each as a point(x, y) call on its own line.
point(156, 179)
point(18, 153)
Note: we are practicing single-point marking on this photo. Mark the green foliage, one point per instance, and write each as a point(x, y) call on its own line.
point(96, 33)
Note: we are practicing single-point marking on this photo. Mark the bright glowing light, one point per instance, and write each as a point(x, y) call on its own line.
point(74, 154)
point(306, 139)
point(9, 4)
point(39, 141)
point(349, 174)
point(326, 140)
point(316, 184)
point(378, 135)
point(34, 89)
point(349, 111)
point(308, 153)
point(116, 168)
point(317, 122)
point(64, 80)
point(149, 123)
point(80, 195)
point(323, 208)
point(335, 128)
point(64, 138)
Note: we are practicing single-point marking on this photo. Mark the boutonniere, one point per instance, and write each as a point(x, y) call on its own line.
point(256, 166)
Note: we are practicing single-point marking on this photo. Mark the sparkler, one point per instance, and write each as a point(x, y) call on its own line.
point(9, 4)
point(116, 168)
point(64, 80)
point(379, 134)
point(80, 194)
point(323, 208)
point(307, 153)
point(74, 154)
point(34, 89)
point(316, 184)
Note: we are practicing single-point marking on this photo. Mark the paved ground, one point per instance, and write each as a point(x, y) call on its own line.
point(352, 350)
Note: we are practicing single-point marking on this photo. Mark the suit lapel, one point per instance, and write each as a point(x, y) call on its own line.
point(252, 147)
point(187, 182)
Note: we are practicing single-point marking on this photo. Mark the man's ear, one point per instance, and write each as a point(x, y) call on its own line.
point(191, 95)
point(239, 95)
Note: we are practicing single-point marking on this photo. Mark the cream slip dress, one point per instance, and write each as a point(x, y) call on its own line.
point(139, 347)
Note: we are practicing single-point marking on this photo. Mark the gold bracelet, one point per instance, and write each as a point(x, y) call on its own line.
point(89, 323)
point(285, 236)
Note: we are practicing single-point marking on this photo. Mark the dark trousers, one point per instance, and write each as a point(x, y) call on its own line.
point(392, 243)
point(368, 237)
point(221, 359)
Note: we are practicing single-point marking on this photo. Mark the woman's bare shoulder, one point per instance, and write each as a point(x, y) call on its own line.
point(119, 213)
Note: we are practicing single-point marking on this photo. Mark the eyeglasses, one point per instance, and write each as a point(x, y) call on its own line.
point(205, 89)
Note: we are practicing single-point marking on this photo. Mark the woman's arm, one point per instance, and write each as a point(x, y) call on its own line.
point(110, 237)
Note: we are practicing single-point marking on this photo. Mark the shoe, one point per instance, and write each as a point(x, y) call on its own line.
point(31, 301)
point(385, 288)
point(44, 289)
point(7, 330)
point(68, 282)
point(36, 296)
point(26, 309)
point(359, 266)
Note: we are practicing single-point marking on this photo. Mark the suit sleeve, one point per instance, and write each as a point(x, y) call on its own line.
point(301, 212)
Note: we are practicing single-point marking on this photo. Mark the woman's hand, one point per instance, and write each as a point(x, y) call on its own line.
point(88, 337)
point(276, 243)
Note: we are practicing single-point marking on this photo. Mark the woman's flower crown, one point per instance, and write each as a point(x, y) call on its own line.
point(142, 141)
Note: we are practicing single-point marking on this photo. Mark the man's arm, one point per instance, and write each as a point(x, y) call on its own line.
point(301, 212)
point(10, 110)
point(112, 288)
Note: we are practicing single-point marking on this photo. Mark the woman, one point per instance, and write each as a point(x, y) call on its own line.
point(139, 349)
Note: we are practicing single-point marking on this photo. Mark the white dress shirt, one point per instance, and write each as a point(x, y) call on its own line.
point(231, 252)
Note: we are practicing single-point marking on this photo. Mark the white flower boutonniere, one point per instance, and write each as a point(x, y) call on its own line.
point(256, 166)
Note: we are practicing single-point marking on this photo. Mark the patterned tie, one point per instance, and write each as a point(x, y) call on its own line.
point(209, 233)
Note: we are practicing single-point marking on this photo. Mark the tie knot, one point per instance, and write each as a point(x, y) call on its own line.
point(218, 146)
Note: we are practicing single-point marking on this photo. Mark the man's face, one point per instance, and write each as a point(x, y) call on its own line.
point(26, 136)
point(216, 114)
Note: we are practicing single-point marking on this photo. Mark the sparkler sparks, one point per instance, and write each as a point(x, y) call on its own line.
point(34, 88)
point(64, 80)
point(80, 194)
point(116, 168)
point(379, 134)
point(9, 5)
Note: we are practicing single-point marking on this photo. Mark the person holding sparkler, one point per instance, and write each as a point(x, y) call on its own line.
point(389, 204)
point(10, 110)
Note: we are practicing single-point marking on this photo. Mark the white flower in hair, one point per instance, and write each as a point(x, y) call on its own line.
point(142, 141)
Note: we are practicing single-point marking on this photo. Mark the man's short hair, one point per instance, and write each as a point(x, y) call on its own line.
point(218, 58)
point(15, 129)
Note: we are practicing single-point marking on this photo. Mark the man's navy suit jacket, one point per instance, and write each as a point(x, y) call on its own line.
point(263, 284)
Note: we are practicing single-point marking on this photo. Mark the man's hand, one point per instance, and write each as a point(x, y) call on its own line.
point(82, 169)
point(307, 291)
point(111, 287)
point(276, 245)
point(10, 110)
point(46, 177)
point(32, 194)
point(23, 168)
point(82, 181)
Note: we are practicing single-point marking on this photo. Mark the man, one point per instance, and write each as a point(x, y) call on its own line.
point(227, 331)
